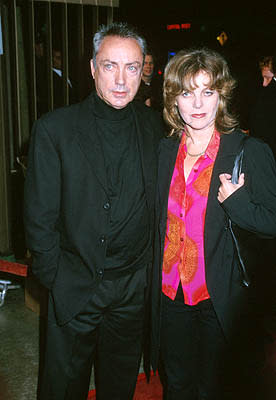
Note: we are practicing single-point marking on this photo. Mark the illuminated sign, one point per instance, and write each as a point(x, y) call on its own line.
point(178, 27)
point(222, 38)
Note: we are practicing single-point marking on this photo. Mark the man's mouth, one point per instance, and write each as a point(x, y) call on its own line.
point(119, 94)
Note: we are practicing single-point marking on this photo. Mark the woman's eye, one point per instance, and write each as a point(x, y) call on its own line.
point(209, 92)
point(186, 94)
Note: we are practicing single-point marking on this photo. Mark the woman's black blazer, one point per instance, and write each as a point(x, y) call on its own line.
point(252, 207)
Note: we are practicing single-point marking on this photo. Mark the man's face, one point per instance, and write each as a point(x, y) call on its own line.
point(267, 72)
point(118, 70)
point(57, 59)
point(148, 66)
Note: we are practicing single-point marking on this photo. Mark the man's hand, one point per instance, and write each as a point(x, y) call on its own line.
point(227, 187)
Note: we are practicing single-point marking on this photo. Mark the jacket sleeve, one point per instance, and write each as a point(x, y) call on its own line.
point(42, 204)
point(253, 206)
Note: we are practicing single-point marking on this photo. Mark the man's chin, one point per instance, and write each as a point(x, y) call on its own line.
point(118, 103)
point(119, 106)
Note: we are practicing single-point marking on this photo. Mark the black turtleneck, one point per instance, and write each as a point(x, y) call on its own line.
point(128, 235)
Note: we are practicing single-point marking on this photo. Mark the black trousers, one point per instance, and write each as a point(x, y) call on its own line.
point(192, 348)
point(199, 364)
point(108, 333)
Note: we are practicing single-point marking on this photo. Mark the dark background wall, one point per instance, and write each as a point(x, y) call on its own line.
point(250, 29)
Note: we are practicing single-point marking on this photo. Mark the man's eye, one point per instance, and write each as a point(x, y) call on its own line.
point(108, 67)
point(132, 68)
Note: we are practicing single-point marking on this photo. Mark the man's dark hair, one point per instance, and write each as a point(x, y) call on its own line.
point(121, 29)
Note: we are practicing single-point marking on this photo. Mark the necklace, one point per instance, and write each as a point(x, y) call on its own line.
point(202, 152)
point(198, 154)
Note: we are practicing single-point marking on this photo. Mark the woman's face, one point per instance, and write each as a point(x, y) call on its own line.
point(198, 107)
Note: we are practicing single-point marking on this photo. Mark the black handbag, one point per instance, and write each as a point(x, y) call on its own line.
point(241, 238)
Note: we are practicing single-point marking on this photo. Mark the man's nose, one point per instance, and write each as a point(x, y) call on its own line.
point(120, 76)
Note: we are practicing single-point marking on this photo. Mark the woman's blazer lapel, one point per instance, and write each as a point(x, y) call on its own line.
point(168, 150)
point(215, 217)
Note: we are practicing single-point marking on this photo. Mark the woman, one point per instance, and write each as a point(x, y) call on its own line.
point(199, 306)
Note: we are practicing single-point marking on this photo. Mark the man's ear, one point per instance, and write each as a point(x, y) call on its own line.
point(92, 68)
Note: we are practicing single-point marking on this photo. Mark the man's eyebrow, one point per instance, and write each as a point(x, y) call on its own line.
point(134, 62)
point(114, 62)
point(107, 60)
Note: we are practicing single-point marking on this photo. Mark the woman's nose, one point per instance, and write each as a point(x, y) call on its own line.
point(197, 102)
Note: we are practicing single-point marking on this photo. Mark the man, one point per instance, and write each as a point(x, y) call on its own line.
point(150, 90)
point(89, 197)
point(263, 126)
point(267, 71)
point(148, 68)
point(58, 81)
point(262, 123)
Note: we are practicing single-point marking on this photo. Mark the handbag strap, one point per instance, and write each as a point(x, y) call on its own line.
point(235, 179)
point(238, 162)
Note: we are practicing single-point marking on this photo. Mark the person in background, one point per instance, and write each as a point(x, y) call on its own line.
point(88, 210)
point(144, 91)
point(267, 70)
point(58, 81)
point(203, 318)
point(262, 123)
point(150, 89)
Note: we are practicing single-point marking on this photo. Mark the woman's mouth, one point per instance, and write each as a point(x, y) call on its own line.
point(198, 116)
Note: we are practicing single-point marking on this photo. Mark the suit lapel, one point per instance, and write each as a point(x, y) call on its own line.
point(88, 140)
point(147, 153)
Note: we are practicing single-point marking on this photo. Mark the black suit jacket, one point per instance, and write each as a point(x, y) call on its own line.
point(252, 207)
point(66, 204)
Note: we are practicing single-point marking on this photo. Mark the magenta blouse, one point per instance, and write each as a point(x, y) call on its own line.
point(184, 242)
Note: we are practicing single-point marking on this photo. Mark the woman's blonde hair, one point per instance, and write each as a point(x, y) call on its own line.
point(179, 76)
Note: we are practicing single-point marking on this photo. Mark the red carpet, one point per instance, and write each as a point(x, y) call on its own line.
point(144, 390)
point(13, 267)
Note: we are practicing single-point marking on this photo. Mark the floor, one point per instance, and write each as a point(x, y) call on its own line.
point(20, 328)
point(19, 354)
point(19, 351)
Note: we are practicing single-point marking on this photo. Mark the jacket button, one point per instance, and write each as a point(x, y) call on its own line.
point(106, 206)
point(102, 239)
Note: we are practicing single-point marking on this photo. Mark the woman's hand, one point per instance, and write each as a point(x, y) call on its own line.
point(227, 187)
